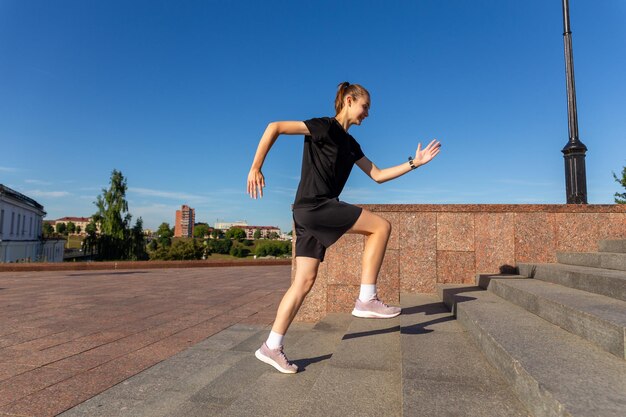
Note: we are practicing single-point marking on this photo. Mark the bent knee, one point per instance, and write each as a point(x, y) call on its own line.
point(385, 227)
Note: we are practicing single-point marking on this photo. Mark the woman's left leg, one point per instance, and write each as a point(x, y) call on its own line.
point(377, 231)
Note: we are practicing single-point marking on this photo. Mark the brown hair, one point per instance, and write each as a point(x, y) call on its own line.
point(346, 89)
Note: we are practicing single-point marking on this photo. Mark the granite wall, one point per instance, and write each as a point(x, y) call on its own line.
point(433, 244)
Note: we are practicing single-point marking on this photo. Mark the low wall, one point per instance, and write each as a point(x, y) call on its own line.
point(433, 244)
point(113, 265)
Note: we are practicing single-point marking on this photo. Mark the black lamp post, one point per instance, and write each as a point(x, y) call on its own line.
point(574, 151)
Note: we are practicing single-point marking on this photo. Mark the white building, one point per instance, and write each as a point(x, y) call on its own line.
point(21, 220)
point(224, 226)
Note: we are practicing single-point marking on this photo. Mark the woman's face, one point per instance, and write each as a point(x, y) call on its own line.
point(359, 109)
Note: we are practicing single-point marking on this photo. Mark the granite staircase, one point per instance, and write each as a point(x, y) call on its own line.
point(556, 332)
point(547, 342)
point(421, 363)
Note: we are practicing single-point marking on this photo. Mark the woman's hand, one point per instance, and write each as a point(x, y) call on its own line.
point(256, 180)
point(423, 156)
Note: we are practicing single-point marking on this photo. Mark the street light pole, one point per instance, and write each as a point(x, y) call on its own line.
point(574, 151)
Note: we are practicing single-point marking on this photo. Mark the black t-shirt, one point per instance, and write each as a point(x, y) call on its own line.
point(329, 154)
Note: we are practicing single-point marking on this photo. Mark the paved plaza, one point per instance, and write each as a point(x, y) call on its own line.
point(66, 336)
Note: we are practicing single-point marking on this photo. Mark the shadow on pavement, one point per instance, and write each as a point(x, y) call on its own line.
point(95, 274)
point(303, 363)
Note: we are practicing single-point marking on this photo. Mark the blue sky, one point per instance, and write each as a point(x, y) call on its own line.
point(177, 94)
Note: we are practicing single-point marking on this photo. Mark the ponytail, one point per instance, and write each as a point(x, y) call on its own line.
point(346, 89)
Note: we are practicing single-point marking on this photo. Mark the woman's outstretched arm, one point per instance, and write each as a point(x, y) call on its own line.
point(422, 156)
point(256, 180)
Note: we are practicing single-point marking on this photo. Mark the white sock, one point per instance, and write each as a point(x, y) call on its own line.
point(274, 340)
point(367, 292)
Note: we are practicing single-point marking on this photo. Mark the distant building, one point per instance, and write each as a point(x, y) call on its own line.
point(185, 219)
point(224, 226)
point(242, 224)
point(81, 222)
point(265, 231)
point(21, 220)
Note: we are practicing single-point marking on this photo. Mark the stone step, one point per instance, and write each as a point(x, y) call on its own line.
point(604, 260)
point(553, 372)
point(443, 372)
point(202, 380)
point(363, 376)
point(276, 394)
point(607, 282)
point(449, 294)
point(614, 246)
point(597, 318)
point(483, 280)
point(165, 389)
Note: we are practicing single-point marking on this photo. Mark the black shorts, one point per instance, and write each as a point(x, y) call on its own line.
point(320, 225)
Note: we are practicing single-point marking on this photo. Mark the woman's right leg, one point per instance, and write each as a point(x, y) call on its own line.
point(306, 272)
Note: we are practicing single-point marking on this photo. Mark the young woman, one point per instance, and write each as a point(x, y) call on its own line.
point(320, 218)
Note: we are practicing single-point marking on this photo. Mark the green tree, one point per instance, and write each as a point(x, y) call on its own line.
point(161, 253)
point(239, 251)
point(164, 235)
point(113, 216)
point(138, 242)
point(71, 227)
point(91, 228)
point(235, 233)
point(113, 219)
point(186, 249)
point(201, 230)
point(272, 248)
point(217, 234)
point(61, 228)
point(273, 235)
point(620, 198)
point(220, 245)
point(78, 229)
point(257, 234)
point(91, 241)
point(48, 230)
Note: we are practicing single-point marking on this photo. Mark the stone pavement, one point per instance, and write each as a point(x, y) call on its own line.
point(66, 336)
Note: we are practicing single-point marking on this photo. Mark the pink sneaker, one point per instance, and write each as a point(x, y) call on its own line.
point(374, 309)
point(276, 358)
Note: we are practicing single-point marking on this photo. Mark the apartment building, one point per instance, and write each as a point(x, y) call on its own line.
point(185, 220)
